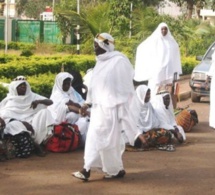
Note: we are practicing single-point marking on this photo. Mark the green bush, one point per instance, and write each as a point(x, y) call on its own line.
point(26, 53)
point(3, 92)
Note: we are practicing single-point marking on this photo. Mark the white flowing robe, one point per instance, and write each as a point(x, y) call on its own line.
point(148, 118)
point(110, 91)
point(59, 108)
point(166, 116)
point(157, 59)
point(18, 107)
point(212, 93)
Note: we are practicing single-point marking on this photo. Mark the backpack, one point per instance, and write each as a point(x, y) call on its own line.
point(66, 137)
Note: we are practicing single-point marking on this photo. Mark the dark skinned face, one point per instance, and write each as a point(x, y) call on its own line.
point(164, 31)
point(66, 84)
point(148, 96)
point(98, 50)
point(21, 89)
point(166, 101)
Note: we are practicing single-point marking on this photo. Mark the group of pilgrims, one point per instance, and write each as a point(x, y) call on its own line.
point(115, 114)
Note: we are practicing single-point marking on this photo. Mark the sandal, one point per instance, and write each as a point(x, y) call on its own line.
point(162, 147)
point(121, 174)
point(170, 148)
point(82, 176)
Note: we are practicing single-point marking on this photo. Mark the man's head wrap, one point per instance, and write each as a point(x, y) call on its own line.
point(105, 41)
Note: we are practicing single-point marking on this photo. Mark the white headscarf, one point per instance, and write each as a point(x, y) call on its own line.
point(59, 96)
point(166, 116)
point(158, 57)
point(100, 38)
point(19, 106)
point(147, 117)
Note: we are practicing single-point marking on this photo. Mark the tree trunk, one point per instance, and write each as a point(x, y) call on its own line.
point(190, 4)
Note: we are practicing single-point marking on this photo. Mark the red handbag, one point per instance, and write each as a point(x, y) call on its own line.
point(66, 137)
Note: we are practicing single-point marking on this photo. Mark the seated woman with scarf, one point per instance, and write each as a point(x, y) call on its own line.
point(163, 107)
point(149, 122)
point(67, 103)
point(24, 111)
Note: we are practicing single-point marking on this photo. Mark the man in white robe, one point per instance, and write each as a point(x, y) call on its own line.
point(110, 92)
point(157, 59)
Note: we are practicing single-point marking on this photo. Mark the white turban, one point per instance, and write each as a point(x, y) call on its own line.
point(105, 41)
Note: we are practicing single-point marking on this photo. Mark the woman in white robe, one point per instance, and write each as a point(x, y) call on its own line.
point(147, 118)
point(211, 74)
point(163, 107)
point(157, 59)
point(62, 102)
point(110, 92)
point(26, 112)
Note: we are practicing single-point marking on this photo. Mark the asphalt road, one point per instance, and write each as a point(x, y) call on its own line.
point(188, 170)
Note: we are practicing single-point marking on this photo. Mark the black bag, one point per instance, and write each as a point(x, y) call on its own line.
point(22, 142)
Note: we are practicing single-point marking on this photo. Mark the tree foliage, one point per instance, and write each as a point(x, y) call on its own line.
point(32, 8)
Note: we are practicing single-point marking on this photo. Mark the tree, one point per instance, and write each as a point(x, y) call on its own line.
point(32, 8)
point(191, 3)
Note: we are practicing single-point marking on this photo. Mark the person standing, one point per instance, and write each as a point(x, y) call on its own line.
point(110, 94)
point(157, 59)
point(211, 74)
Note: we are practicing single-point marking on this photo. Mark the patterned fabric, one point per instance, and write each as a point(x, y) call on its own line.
point(157, 137)
point(23, 144)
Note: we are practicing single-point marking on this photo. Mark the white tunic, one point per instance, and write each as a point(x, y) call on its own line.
point(59, 108)
point(110, 92)
point(212, 93)
point(148, 118)
point(166, 116)
point(157, 59)
point(19, 108)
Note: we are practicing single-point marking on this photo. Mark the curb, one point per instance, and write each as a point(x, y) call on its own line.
point(184, 96)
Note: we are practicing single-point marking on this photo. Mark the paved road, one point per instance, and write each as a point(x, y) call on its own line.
point(188, 170)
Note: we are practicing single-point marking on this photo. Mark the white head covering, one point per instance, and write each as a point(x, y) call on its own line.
point(19, 106)
point(59, 81)
point(102, 38)
point(158, 57)
point(147, 117)
point(165, 115)
point(59, 96)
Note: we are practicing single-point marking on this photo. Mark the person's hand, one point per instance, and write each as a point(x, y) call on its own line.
point(28, 127)
point(143, 140)
point(34, 104)
point(70, 102)
point(83, 111)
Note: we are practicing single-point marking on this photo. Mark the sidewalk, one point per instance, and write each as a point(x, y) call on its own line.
point(184, 88)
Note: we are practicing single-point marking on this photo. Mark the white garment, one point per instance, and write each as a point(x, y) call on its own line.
point(18, 107)
point(212, 93)
point(148, 118)
point(59, 108)
point(157, 59)
point(110, 91)
point(87, 77)
point(166, 115)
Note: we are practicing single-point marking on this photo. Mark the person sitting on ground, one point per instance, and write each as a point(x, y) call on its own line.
point(149, 122)
point(25, 111)
point(162, 105)
point(67, 103)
